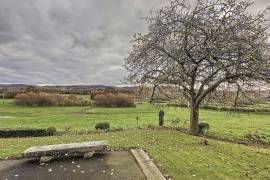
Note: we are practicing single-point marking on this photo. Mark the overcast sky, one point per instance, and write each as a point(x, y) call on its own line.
point(65, 42)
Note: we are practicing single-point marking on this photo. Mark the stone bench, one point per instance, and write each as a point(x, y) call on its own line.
point(47, 153)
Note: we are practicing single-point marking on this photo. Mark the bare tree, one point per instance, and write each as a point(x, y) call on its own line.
point(196, 48)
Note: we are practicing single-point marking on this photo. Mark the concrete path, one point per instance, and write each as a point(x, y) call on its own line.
point(150, 170)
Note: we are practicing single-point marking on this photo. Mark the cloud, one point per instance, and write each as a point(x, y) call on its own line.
point(69, 41)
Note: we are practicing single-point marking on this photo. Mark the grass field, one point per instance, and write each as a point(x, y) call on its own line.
point(180, 155)
point(225, 125)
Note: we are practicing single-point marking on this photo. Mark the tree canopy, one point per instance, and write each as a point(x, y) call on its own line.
point(196, 48)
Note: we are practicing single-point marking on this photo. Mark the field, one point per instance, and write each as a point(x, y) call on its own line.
point(223, 125)
point(178, 154)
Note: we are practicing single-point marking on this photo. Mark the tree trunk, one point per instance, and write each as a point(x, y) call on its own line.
point(237, 96)
point(194, 119)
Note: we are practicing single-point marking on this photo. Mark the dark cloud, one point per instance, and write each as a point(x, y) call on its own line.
point(70, 41)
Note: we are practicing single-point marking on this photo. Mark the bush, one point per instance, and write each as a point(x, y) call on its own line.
point(114, 100)
point(102, 126)
point(10, 94)
point(203, 127)
point(34, 99)
point(51, 131)
point(47, 99)
point(161, 118)
point(71, 100)
point(8, 133)
point(256, 137)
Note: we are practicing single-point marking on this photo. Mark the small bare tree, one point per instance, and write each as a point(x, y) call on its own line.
point(196, 48)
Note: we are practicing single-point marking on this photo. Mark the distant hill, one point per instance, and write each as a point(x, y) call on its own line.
point(52, 86)
point(70, 89)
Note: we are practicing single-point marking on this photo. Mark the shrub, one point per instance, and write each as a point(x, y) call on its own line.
point(10, 94)
point(161, 118)
point(114, 100)
point(51, 131)
point(102, 126)
point(34, 99)
point(47, 99)
point(71, 100)
point(255, 137)
point(8, 133)
point(203, 127)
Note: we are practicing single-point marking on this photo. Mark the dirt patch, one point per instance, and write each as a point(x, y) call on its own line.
point(112, 165)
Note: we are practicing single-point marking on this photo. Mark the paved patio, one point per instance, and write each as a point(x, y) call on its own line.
point(111, 165)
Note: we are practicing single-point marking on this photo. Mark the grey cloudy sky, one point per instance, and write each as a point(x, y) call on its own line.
point(70, 41)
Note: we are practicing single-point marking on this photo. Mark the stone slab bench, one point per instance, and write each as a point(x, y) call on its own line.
point(46, 153)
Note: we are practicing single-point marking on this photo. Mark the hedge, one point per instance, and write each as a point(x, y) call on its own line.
point(49, 99)
point(114, 100)
point(217, 108)
point(102, 126)
point(9, 133)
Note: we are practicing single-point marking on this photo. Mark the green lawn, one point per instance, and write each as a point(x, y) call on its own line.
point(223, 124)
point(180, 155)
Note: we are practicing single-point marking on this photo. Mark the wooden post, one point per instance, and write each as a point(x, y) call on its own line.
point(3, 96)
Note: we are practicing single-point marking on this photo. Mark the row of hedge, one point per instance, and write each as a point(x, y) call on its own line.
point(9, 133)
point(219, 108)
point(47, 99)
point(51, 131)
point(236, 109)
